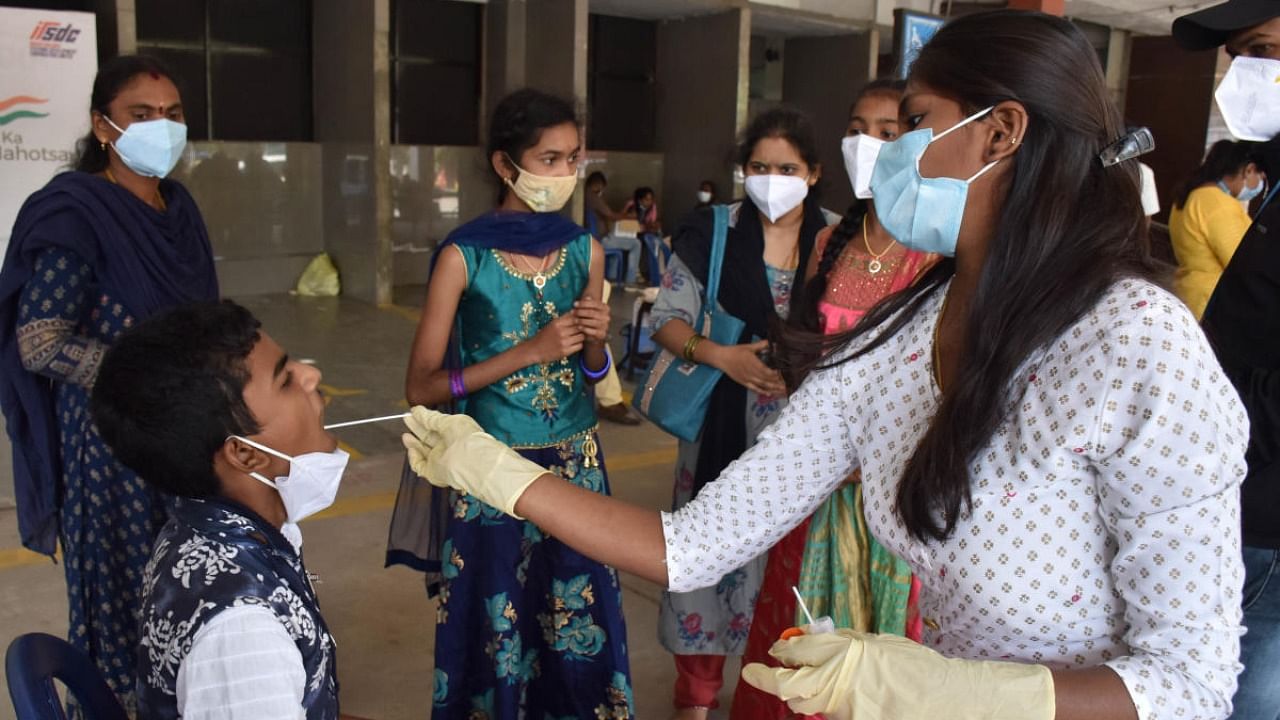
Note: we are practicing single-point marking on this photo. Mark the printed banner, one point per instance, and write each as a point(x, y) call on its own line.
point(47, 63)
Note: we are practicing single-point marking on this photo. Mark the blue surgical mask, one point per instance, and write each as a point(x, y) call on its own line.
point(1246, 193)
point(150, 148)
point(923, 214)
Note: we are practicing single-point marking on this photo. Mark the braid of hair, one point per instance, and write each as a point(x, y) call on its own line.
point(848, 228)
point(799, 339)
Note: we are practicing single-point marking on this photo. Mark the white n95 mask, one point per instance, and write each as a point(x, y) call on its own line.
point(312, 482)
point(860, 153)
point(776, 195)
point(1249, 98)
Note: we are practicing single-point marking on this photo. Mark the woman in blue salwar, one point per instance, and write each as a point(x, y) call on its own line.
point(96, 250)
point(513, 333)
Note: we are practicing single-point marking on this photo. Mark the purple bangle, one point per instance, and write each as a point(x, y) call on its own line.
point(595, 375)
point(456, 387)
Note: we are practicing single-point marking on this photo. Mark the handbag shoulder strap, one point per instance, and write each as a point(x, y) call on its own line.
point(719, 239)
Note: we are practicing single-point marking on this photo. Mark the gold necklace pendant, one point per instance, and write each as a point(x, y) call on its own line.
point(539, 280)
point(874, 265)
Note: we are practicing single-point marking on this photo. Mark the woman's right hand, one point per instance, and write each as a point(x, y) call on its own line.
point(559, 339)
point(742, 364)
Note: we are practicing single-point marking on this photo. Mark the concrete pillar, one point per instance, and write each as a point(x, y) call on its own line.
point(504, 52)
point(125, 37)
point(556, 51)
point(352, 103)
point(822, 76)
point(117, 28)
point(703, 85)
point(540, 44)
point(1117, 68)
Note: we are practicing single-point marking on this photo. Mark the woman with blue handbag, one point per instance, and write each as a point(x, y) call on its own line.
point(769, 235)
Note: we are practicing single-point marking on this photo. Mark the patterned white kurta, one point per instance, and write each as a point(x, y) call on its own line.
point(1105, 522)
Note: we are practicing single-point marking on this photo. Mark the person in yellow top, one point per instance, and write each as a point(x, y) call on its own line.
point(1209, 219)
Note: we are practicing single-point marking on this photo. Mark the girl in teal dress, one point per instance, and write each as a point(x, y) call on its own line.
point(513, 334)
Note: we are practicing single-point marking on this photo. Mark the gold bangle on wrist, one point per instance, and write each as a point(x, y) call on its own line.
point(690, 345)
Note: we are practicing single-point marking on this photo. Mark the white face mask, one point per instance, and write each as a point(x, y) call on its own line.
point(860, 153)
point(1249, 98)
point(776, 195)
point(704, 196)
point(312, 483)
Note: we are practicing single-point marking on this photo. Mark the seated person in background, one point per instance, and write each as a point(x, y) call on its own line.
point(1209, 219)
point(210, 410)
point(600, 221)
point(643, 207)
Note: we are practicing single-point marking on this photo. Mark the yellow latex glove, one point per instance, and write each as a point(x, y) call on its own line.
point(454, 451)
point(848, 675)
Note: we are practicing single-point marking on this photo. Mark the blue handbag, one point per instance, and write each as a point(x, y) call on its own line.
point(674, 392)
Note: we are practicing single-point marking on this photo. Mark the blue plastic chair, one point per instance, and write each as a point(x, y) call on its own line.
point(35, 660)
point(653, 245)
point(615, 265)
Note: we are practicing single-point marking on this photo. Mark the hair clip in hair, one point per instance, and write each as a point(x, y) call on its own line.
point(1138, 141)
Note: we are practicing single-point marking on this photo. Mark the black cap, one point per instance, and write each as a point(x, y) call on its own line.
point(1209, 28)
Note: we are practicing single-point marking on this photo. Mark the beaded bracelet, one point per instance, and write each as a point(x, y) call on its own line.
point(457, 388)
point(595, 375)
point(690, 345)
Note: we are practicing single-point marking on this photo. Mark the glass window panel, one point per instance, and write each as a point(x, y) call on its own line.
point(623, 46)
point(169, 21)
point(438, 104)
point(622, 115)
point(443, 30)
point(261, 97)
point(279, 25)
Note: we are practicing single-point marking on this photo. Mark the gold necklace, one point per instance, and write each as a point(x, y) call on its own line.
point(875, 265)
point(162, 206)
point(539, 273)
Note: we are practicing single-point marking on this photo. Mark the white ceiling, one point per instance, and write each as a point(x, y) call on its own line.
point(1148, 17)
point(660, 9)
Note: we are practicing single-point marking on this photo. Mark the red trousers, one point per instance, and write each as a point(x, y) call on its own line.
point(698, 680)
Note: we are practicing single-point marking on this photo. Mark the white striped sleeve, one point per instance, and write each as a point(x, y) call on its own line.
point(242, 665)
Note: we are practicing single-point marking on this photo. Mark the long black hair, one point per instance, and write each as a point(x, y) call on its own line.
point(1226, 157)
point(1068, 229)
point(91, 155)
point(518, 122)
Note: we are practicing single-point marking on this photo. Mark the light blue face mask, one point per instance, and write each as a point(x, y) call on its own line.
point(151, 147)
point(1246, 193)
point(922, 213)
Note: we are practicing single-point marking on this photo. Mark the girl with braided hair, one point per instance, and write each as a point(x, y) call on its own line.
point(840, 570)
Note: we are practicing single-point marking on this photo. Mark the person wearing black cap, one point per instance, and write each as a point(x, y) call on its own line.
point(1242, 321)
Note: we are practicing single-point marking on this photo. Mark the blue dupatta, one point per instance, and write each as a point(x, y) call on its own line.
point(149, 260)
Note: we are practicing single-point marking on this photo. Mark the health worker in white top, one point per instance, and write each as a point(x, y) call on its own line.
point(1043, 431)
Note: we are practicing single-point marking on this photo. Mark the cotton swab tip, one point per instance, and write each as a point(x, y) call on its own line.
point(384, 418)
point(804, 608)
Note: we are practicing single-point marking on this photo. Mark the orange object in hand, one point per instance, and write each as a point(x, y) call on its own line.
point(791, 633)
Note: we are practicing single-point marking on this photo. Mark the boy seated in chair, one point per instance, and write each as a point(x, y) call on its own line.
point(206, 407)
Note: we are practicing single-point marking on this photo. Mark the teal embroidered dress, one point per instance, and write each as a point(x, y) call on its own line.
point(526, 626)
